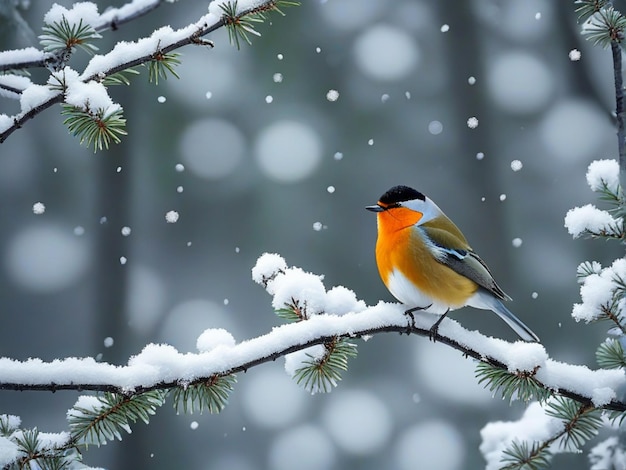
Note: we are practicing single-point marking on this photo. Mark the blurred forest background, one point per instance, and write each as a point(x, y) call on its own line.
point(273, 162)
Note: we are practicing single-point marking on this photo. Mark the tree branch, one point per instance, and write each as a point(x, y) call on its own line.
point(111, 19)
point(190, 35)
point(143, 374)
point(616, 52)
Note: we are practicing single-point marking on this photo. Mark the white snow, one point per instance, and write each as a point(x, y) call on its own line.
point(85, 12)
point(215, 7)
point(295, 283)
point(39, 208)
point(341, 300)
point(17, 56)
point(589, 218)
point(17, 82)
point(213, 338)
point(472, 123)
point(171, 217)
point(607, 454)
point(534, 425)
point(524, 356)
point(574, 55)
point(332, 95)
point(516, 165)
point(128, 9)
point(603, 173)
point(35, 95)
point(267, 266)
point(597, 290)
point(163, 363)
point(9, 451)
point(5, 122)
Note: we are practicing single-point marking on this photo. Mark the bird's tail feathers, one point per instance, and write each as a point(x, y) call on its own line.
point(515, 323)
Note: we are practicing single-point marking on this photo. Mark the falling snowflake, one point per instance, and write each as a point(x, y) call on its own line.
point(574, 55)
point(171, 217)
point(332, 95)
point(39, 208)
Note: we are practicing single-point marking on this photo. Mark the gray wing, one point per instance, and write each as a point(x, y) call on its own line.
point(468, 264)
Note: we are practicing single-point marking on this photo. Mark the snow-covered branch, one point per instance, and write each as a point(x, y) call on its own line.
point(77, 27)
point(163, 367)
point(111, 19)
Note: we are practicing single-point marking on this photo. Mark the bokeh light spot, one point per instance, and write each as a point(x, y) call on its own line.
point(358, 421)
point(371, 51)
point(271, 399)
point(212, 148)
point(288, 151)
point(46, 258)
point(520, 83)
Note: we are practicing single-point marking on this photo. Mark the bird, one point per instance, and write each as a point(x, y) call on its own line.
point(426, 262)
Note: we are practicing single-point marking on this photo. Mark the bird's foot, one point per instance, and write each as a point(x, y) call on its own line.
point(432, 333)
point(409, 313)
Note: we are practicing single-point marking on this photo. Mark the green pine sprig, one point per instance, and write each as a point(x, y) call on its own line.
point(605, 26)
point(242, 24)
point(617, 417)
point(101, 424)
point(519, 385)
point(37, 454)
point(162, 65)
point(293, 311)
point(67, 36)
point(120, 78)
point(525, 456)
point(8, 424)
point(586, 8)
point(610, 355)
point(211, 395)
point(581, 422)
point(587, 268)
point(321, 374)
point(95, 129)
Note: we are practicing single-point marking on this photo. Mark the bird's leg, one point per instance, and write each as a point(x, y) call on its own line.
point(435, 328)
point(409, 313)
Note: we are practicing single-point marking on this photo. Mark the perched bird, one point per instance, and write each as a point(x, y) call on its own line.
point(427, 264)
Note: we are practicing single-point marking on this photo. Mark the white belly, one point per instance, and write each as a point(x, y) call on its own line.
point(406, 292)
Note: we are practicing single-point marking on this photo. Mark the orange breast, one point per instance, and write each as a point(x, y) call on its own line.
point(401, 246)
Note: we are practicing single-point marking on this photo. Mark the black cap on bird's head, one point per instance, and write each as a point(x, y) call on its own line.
point(401, 194)
point(394, 196)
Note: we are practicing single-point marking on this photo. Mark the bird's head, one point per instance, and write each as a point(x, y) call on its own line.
point(402, 207)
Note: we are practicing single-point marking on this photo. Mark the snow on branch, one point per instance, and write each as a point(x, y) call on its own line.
point(65, 30)
point(603, 178)
point(161, 366)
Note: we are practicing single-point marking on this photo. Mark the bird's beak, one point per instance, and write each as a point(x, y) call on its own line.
point(375, 208)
